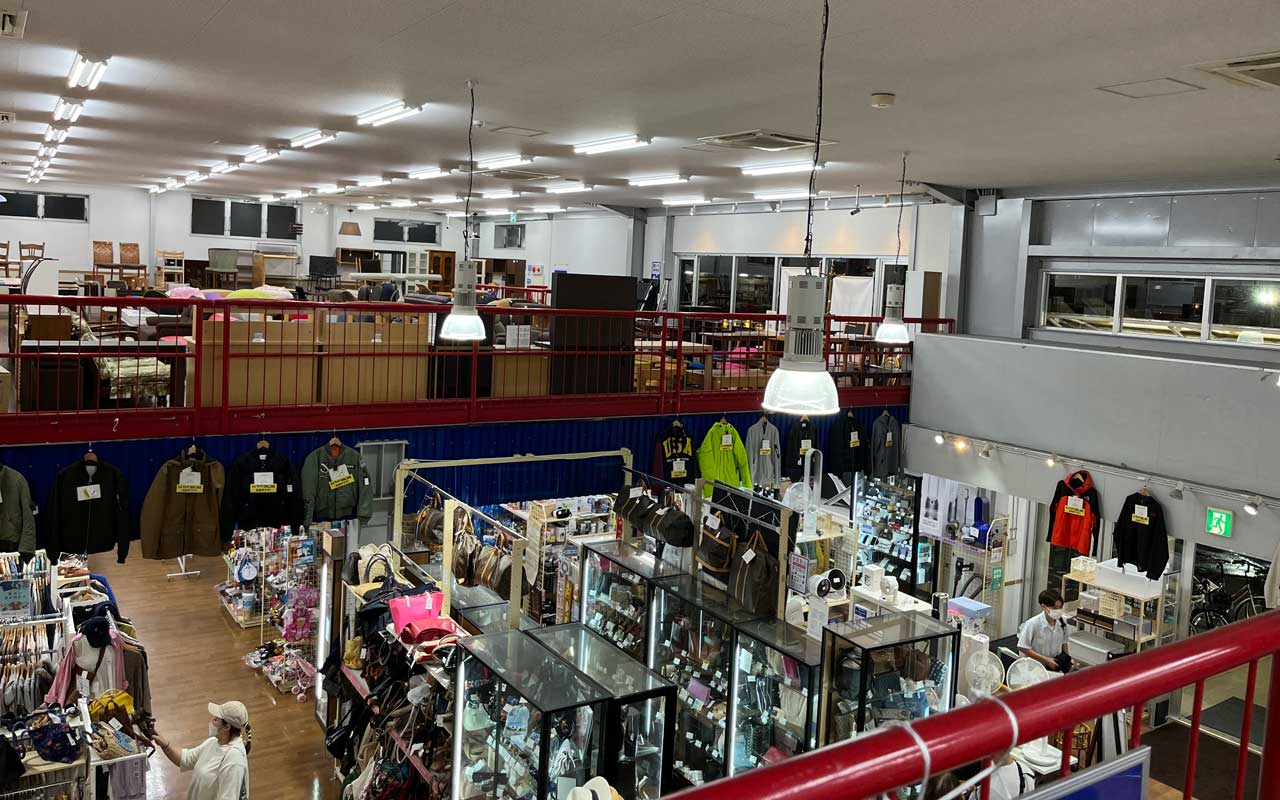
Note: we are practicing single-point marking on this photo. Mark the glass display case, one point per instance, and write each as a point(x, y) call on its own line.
point(694, 641)
point(885, 669)
point(887, 512)
point(479, 620)
point(779, 679)
point(617, 596)
point(640, 721)
point(527, 725)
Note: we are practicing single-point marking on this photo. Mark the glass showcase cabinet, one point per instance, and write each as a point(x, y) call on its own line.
point(528, 727)
point(617, 594)
point(895, 667)
point(779, 673)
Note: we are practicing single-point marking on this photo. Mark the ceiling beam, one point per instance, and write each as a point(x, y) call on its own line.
point(951, 195)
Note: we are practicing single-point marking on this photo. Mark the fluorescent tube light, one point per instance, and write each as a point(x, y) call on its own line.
point(68, 110)
point(427, 174)
point(47, 151)
point(55, 134)
point(502, 194)
point(658, 180)
point(332, 188)
point(403, 203)
point(610, 145)
point(455, 214)
point(683, 201)
point(196, 177)
point(261, 155)
point(369, 183)
point(569, 188)
point(367, 207)
point(226, 167)
point(547, 209)
point(496, 212)
point(310, 140)
point(86, 72)
point(781, 169)
point(388, 113)
point(796, 195)
point(447, 198)
point(504, 162)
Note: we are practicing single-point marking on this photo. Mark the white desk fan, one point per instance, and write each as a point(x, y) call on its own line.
point(1023, 673)
point(985, 673)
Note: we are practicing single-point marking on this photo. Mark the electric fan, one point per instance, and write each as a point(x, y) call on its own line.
point(1023, 673)
point(985, 672)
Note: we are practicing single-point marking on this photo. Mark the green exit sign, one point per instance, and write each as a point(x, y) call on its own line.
point(1217, 521)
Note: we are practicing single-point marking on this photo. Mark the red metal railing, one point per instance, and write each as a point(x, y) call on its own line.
point(138, 367)
point(884, 762)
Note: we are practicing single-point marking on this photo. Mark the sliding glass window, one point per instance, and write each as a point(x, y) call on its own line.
point(685, 277)
point(715, 282)
point(1246, 311)
point(1163, 306)
point(754, 291)
point(1080, 302)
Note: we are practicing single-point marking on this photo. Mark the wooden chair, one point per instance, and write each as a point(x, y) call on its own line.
point(103, 253)
point(28, 251)
point(223, 268)
point(6, 264)
point(129, 253)
point(171, 266)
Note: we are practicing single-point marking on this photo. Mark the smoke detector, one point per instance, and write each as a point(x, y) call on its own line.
point(883, 99)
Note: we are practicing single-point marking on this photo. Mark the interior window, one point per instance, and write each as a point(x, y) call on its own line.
point(1081, 302)
point(1163, 306)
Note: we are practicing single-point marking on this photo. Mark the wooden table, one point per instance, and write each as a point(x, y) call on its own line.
point(393, 277)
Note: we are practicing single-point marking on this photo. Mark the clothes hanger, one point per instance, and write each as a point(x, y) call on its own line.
point(90, 456)
point(262, 444)
point(1145, 491)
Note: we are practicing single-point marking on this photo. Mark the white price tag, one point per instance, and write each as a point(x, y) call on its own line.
point(636, 491)
point(726, 442)
point(888, 439)
point(853, 439)
point(805, 446)
point(747, 555)
point(91, 492)
point(678, 468)
point(1075, 506)
point(766, 447)
point(340, 477)
point(189, 482)
point(82, 686)
point(712, 522)
point(264, 478)
point(1141, 516)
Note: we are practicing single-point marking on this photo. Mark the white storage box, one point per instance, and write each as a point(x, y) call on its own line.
point(1091, 648)
point(1127, 580)
point(1088, 601)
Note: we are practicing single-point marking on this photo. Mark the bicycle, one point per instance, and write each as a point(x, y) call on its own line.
point(1206, 599)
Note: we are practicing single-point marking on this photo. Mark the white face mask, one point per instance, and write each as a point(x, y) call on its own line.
point(1054, 613)
point(213, 730)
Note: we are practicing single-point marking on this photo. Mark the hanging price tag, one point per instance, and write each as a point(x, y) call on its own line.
point(1140, 515)
point(747, 555)
point(766, 447)
point(91, 492)
point(189, 482)
point(636, 491)
point(888, 439)
point(853, 439)
point(678, 469)
point(340, 477)
point(726, 442)
point(712, 522)
point(263, 483)
point(1075, 506)
point(805, 446)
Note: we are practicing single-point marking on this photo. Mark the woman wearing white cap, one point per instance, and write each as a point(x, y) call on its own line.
point(219, 765)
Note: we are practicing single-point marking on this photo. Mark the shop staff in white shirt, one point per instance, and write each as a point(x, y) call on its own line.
point(1044, 636)
point(219, 765)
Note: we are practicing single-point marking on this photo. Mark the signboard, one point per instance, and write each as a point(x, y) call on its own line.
point(15, 598)
point(1125, 777)
point(997, 577)
point(1218, 521)
point(655, 269)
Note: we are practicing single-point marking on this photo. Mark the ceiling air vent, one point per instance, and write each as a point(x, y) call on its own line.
point(1260, 71)
point(13, 24)
point(517, 175)
point(6, 118)
point(769, 141)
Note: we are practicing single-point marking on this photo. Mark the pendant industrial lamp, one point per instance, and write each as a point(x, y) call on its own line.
point(801, 384)
point(463, 323)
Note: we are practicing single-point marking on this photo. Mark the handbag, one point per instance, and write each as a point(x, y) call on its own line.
point(465, 548)
point(715, 550)
point(428, 630)
point(494, 570)
point(674, 528)
point(753, 577)
point(793, 704)
point(52, 737)
point(110, 743)
point(351, 653)
point(414, 608)
point(428, 528)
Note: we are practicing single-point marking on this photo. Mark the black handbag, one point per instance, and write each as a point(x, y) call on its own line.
point(753, 577)
point(715, 550)
point(674, 527)
point(337, 737)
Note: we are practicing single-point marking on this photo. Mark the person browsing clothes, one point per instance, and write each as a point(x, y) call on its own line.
point(219, 765)
point(1044, 636)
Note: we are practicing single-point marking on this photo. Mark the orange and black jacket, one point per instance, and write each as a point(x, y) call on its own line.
point(1075, 525)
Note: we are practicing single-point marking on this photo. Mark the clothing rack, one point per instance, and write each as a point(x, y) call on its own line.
point(183, 572)
point(42, 792)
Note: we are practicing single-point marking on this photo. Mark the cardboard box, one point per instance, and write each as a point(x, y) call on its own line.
point(736, 379)
point(49, 326)
point(648, 372)
point(289, 379)
point(6, 390)
point(357, 365)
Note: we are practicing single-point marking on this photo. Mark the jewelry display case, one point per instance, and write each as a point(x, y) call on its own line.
point(618, 594)
point(779, 685)
point(694, 641)
point(479, 620)
point(528, 726)
point(640, 722)
point(890, 668)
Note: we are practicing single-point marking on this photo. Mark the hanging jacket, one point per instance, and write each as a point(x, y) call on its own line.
point(848, 451)
point(180, 515)
point(1075, 513)
point(721, 459)
point(801, 438)
point(1141, 538)
point(326, 495)
point(88, 513)
point(262, 492)
point(764, 453)
point(673, 457)
point(886, 446)
point(17, 513)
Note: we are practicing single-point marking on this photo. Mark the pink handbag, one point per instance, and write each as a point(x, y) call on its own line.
point(415, 608)
point(428, 630)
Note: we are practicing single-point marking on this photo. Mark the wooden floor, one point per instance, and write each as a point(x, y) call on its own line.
point(195, 653)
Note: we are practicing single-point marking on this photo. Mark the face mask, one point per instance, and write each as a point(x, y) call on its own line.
point(213, 730)
point(1054, 613)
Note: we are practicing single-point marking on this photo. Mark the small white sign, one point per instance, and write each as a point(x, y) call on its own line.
point(264, 478)
point(92, 491)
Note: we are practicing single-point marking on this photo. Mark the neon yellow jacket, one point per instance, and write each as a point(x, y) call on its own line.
point(723, 460)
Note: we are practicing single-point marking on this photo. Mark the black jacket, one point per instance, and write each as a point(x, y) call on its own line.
point(96, 524)
point(274, 503)
point(674, 444)
point(848, 450)
point(1145, 545)
point(792, 459)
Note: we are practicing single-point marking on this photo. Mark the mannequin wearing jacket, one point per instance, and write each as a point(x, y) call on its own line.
point(1140, 535)
point(801, 438)
point(1075, 513)
point(764, 453)
point(89, 510)
point(262, 492)
point(335, 484)
point(180, 512)
point(17, 515)
point(673, 458)
point(847, 447)
point(723, 458)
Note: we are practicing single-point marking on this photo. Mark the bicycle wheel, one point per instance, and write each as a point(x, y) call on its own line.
point(1204, 621)
point(1250, 607)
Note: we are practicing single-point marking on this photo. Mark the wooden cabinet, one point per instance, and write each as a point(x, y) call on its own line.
point(441, 262)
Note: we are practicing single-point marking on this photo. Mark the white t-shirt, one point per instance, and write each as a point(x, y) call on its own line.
point(1036, 634)
point(1004, 781)
point(218, 772)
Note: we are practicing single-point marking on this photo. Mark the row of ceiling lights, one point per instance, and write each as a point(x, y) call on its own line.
point(85, 73)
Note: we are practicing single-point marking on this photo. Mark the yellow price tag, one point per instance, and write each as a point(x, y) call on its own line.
point(345, 480)
point(262, 488)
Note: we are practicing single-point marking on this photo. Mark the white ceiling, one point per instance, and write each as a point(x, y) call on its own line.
point(990, 92)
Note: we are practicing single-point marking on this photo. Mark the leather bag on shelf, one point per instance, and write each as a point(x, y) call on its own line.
point(715, 550)
point(753, 576)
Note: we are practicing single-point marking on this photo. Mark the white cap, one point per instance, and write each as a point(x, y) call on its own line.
point(232, 712)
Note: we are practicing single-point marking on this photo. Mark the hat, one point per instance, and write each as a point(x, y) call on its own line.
point(595, 789)
point(231, 712)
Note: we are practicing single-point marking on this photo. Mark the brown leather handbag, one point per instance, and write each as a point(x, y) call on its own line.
point(715, 550)
point(753, 577)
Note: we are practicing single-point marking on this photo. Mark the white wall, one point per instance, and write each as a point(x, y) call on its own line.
point(594, 245)
point(870, 233)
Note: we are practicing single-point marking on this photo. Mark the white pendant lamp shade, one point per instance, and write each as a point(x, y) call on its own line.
point(463, 323)
point(892, 330)
point(801, 385)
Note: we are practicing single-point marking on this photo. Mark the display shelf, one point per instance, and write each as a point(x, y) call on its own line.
point(404, 747)
point(958, 544)
point(236, 616)
point(358, 683)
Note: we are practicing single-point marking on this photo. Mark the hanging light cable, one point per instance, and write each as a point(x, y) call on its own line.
point(892, 330)
point(463, 324)
point(801, 384)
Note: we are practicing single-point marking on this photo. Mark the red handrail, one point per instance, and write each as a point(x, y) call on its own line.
point(883, 761)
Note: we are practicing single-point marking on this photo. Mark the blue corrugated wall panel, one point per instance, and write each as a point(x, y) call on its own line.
point(140, 459)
